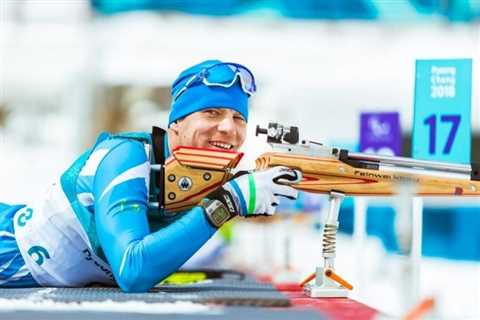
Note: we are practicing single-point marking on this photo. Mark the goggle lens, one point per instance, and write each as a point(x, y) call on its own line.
point(226, 74)
point(223, 75)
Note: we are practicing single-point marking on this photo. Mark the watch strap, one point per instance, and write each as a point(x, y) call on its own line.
point(226, 198)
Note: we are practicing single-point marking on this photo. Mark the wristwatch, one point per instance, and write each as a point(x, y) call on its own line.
point(216, 212)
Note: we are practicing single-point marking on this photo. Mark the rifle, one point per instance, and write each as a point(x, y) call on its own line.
point(191, 173)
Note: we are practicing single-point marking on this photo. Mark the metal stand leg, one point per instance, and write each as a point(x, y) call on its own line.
point(325, 286)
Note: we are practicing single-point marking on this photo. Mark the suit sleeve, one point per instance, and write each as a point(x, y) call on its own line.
point(139, 259)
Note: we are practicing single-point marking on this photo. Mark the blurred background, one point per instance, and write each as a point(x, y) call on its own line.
point(70, 69)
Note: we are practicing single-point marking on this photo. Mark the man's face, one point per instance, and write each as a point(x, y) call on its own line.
point(218, 128)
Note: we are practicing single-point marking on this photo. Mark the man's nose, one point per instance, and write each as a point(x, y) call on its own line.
point(227, 125)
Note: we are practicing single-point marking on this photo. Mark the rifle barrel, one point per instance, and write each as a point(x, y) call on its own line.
point(413, 163)
point(424, 172)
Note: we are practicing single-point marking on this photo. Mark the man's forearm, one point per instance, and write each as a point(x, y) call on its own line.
point(141, 262)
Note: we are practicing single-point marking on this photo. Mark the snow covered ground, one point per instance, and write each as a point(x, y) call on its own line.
point(180, 307)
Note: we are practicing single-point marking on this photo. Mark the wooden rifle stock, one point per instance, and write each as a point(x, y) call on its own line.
point(192, 173)
point(323, 175)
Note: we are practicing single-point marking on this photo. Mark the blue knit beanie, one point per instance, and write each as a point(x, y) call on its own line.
point(200, 96)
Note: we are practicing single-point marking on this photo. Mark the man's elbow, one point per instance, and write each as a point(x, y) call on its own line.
point(133, 287)
point(129, 283)
point(129, 274)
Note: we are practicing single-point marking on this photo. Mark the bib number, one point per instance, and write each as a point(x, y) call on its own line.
point(39, 254)
point(24, 217)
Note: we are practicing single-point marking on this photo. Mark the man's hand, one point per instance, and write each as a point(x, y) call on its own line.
point(258, 193)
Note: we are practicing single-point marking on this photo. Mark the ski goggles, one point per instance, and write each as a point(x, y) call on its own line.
point(224, 75)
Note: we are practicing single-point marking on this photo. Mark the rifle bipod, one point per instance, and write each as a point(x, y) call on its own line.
point(327, 282)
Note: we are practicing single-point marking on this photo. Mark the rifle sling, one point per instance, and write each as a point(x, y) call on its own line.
point(158, 143)
point(475, 171)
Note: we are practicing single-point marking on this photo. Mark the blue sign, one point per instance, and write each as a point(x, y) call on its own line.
point(380, 133)
point(441, 126)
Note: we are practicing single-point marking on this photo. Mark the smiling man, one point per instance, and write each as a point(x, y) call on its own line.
point(220, 128)
point(95, 224)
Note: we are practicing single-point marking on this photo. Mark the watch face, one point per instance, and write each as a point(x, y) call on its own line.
point(220, 215)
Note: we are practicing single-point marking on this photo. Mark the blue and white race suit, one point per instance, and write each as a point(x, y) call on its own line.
point(94, 226)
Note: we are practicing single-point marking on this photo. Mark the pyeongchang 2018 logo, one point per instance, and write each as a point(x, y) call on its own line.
point(380, 130)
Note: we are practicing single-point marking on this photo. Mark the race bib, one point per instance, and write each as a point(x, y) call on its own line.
point(54, 245)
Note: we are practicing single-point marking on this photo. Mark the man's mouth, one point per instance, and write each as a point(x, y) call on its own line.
point(221, 145)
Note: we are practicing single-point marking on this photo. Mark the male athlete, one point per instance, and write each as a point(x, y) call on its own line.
point(95, 224)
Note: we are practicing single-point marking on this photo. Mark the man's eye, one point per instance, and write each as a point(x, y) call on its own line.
point(239, 118)
point(212, 112)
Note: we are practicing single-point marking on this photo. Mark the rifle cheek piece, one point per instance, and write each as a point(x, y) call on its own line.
point(198, 172)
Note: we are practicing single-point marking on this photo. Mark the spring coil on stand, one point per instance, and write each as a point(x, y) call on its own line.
point(329, 240)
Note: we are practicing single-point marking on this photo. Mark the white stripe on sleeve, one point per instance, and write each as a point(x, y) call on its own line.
point(140, 171)
point(93, 161)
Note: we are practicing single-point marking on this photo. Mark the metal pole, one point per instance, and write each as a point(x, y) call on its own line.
point(416, 250)
point(360, 236)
